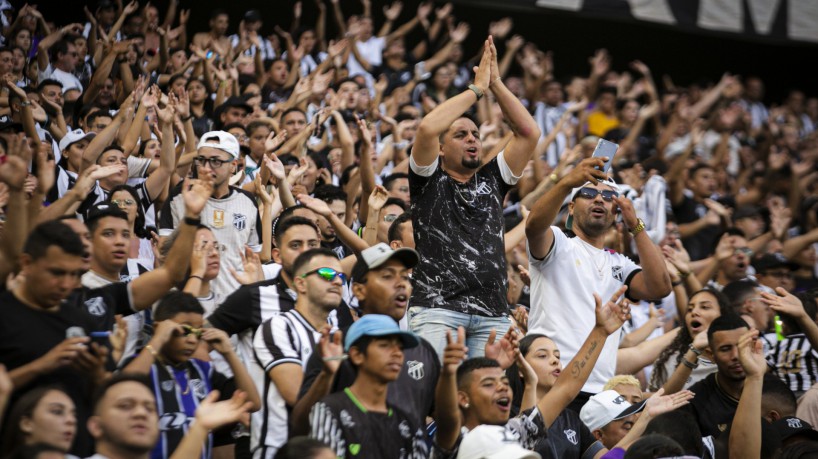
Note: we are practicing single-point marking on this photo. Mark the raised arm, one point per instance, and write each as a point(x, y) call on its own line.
point(338, 16)
point(102, 140)
point(151, 286)
point(526, 132)
point(609, 318)
point(432, 126)
point(653, 282)
point(158, 179)
point(789, 304)
point(545, 210)
point(745, 433)
point(447, 411)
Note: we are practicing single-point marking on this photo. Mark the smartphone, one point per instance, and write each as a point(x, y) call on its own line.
point(100, 337)
point(607, 149)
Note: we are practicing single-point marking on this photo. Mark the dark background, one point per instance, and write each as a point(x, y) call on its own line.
point(686, 57)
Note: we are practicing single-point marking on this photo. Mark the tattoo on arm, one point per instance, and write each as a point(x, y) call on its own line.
point(577, 367)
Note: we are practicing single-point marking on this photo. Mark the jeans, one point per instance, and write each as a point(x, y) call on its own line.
point(433, 323)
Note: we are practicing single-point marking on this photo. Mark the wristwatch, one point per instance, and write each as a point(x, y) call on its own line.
point(640, 226)
point(477, 91)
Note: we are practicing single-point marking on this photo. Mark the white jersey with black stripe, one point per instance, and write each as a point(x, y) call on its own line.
point(287, 338)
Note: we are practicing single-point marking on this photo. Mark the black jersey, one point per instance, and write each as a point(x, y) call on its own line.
point(350, 430)
point(713, 408)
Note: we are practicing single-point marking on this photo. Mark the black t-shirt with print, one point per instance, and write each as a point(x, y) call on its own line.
point(459, 236)
point(712, 407)
point(350, 430)
point(568, 438)
point(413, 391)
point(27, 333)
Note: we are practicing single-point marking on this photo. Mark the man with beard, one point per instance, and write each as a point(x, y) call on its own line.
point(283, 344)
point(457, 213)
point(381, 285)
point(567, 272)
point(231, 212)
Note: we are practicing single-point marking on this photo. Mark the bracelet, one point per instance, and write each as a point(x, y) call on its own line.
point(690, 365)
point(477, 91)
point(151, 350)
point(193, 221)
point(196, 277)
point(694, 350)
point(640, 226)
point(684, 275)
point(186, 118)
point(676, 284)
point(495, 81)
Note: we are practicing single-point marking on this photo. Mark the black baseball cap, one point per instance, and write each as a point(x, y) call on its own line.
point(252, 16)
point(6, 123)
point(773, 260)
point(790, 426)
point(747, 211)
point(102, 210)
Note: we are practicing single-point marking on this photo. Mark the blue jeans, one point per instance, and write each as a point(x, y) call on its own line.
point(433, 323)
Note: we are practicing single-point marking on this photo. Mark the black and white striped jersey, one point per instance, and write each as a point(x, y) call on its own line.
point(287, 338)
point(795, 362)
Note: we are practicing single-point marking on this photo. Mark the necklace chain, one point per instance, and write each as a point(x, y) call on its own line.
point(599, 267)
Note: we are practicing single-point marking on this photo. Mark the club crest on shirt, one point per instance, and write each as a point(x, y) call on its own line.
point(346, 419)
point(96, 306)
point(405, 430)
point(239, 221)
point(415, 369)
point(571, 435)
point(167, 386)
point(794, 423)
point(617, 273)
point(198, 388)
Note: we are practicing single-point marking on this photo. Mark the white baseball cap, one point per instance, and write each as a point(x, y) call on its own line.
point(493, 442)
point(73, 137)
point(605, 407)
point(226, 142)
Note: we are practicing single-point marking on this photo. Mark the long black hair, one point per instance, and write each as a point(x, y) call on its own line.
point(682, 341)
point(139, 224)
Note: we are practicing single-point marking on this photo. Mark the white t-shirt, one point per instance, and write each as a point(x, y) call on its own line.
point(371, 50)
point(68, 80)
point(562, 298)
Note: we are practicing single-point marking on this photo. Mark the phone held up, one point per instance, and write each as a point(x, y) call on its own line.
point(607, 149)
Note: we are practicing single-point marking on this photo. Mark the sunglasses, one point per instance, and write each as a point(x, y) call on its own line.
point(328, 274)
point(121, 202)
point(389, 218)
point(591, 193)
point(187, 330)
point(748, 252)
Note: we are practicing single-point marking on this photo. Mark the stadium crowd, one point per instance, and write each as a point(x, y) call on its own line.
point(251, 239)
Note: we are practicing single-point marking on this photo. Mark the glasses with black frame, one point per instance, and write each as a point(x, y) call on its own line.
point(328, 274)
point(592, 193)
point(214, 163)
